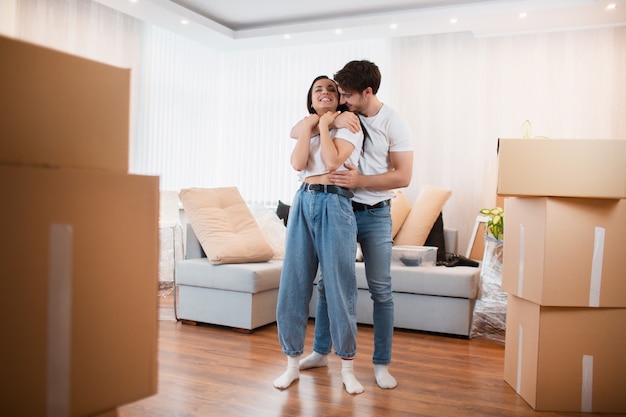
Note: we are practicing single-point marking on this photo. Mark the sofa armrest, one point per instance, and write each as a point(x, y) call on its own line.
point(451, 237)
point(193, 249)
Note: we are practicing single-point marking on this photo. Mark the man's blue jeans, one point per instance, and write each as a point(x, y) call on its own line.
point(321, 227)
point(374, 235)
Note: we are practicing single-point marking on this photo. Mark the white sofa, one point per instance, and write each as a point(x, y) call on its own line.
point(240, 295)
point(243, 296)
point(433, 299)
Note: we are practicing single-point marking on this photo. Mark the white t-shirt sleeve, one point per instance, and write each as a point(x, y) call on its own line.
point(355, 139)
point(399, 135)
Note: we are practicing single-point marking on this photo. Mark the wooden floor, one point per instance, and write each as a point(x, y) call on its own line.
point(212, 371)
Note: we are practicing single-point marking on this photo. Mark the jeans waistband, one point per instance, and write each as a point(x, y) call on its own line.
point(327, 188)
point(362, 207)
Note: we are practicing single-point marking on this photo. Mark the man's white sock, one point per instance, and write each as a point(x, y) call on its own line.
point(314, 360)
point(383, 377)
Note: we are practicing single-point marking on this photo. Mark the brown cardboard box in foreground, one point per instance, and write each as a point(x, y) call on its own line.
point(587, 168)
point(79, 258)
point(566, 358)
point(565, 251)
point(60, 110)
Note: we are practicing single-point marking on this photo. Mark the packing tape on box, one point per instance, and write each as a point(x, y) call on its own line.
point(586, 400)
point(59, 325)
point(596, 267)
point(520, 273)
point(520, 349)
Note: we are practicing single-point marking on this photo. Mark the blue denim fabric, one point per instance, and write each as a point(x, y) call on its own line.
point(374, 235)
point(322, 227)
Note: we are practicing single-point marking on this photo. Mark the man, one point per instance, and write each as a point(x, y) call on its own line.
point(385, 164)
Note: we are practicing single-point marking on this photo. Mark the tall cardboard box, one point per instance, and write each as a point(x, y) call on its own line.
point(63, 111)
point(79, 260)
point(565, 251)
point(585, 168)
point(566, 358)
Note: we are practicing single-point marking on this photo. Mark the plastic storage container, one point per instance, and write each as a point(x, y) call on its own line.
point(414, 255)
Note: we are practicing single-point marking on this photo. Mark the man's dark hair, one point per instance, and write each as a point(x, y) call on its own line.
point(358, 75)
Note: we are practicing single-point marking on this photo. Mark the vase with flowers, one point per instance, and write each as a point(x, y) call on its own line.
point(494, 240)
point(495, 222)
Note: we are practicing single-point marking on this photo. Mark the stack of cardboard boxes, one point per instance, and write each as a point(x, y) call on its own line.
point(564, 269)
point(79, 247)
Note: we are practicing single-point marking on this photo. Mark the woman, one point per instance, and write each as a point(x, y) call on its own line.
point(321, 231)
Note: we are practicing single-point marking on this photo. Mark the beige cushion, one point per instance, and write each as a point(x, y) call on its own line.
point(400, 209)
point(225, 226)
point(423, 215)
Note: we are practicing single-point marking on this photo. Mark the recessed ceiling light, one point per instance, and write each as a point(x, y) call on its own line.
point(338, 31)
point(523, 15)
point(454, 20)
point(611, 6)
point(393, 26)
point(184, 22)
point(287, 36)
point(133, 1)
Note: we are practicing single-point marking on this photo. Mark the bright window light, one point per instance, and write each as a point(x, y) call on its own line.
point(338, 31)
point(523, 15)
point(454, 20)
point(393, 26)
point(611, 6)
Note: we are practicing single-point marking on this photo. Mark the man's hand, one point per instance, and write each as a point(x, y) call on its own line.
point(349, 121)
point(346, 179)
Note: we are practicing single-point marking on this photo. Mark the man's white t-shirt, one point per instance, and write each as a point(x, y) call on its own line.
point(315, 164)
point(387, 132)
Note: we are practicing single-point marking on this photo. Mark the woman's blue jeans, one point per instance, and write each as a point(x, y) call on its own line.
point(321, 230)
point(374, 235)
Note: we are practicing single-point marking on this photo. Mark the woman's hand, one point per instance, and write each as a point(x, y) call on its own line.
point(328, 118)
point(310, 121)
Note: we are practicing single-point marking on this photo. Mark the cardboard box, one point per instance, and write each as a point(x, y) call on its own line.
point(592, 168)
point(59, 110)
point(565, 251)
point(79, 266)
point(566, 359)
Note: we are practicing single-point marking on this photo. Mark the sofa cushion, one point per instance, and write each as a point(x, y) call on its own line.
point(282, 211)
point(436, 238)
point(400, 209)
point(460, 281)
point(272, 227)
point(422, 217)
point(225, 226)
point(246, 277)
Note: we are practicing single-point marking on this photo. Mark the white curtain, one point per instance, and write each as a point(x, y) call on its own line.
point(204, 118)
point(461, 93)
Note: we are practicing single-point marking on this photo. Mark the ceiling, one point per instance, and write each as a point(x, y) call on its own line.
point(246, 24)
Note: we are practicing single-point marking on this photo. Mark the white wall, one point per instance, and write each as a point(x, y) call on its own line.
point(205, 118)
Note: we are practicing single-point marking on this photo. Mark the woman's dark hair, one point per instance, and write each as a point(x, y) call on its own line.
point(358, 75)
point(309, 96)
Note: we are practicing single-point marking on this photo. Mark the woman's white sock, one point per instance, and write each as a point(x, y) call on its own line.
point(291, 374)
point(314, 360)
